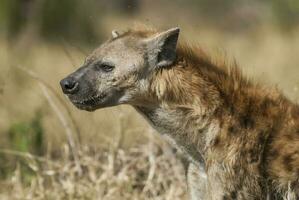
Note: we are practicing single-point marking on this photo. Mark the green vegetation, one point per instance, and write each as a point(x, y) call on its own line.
point(23, 137)
point(27, 136)
point(286, 12)
point(52, 19)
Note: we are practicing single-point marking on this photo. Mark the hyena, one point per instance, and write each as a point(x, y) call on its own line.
point(241, 138)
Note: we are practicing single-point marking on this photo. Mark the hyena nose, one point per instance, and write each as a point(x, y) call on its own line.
point(69, 85)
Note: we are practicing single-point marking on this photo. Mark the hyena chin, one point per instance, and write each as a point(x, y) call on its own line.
point(241, 139)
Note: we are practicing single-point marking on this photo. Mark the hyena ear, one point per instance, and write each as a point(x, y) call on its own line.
point(161, 48)
point(115, 34)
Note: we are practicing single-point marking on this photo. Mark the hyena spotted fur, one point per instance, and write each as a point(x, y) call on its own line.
point(241, 138)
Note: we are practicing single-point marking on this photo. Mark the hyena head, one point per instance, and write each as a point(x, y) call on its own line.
point(119, 71)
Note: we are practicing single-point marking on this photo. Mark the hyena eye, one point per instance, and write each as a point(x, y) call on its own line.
point(104, 67)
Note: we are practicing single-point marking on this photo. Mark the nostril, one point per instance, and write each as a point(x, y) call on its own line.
point(69, 85)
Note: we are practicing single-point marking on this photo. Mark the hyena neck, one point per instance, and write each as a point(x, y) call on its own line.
point(183, 106)
point(182, 127)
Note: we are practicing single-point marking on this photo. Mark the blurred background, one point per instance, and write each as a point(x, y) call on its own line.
point(47, 146)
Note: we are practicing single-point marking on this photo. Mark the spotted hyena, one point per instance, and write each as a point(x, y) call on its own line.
point(241, 138)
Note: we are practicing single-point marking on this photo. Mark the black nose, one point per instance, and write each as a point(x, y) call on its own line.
point(69, 85)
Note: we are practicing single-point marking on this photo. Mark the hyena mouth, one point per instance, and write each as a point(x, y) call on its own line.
point(90, 100)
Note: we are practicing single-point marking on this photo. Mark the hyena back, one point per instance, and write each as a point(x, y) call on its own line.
point(241, 139)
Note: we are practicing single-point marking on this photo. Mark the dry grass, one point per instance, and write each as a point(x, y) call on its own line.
point(149, 171)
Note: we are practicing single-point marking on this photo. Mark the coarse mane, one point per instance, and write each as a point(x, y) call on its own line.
point(226, 76)
point(237, 91)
